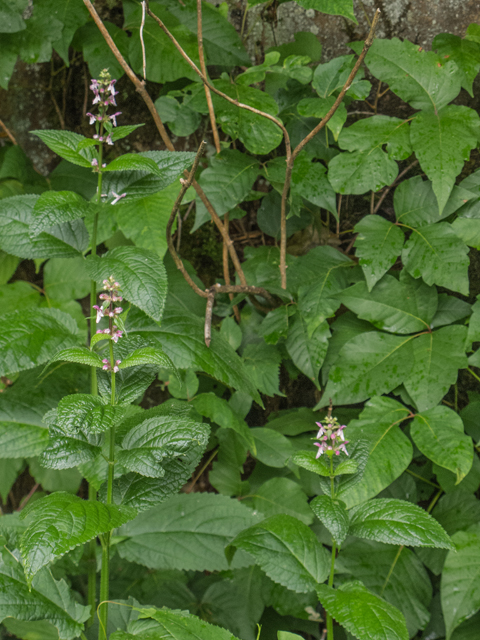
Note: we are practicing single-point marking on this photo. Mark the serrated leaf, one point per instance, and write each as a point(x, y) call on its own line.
point(442, 141)
point(437, 254)
point(307, 351)
point(281, 495)
point(437, 358)
point(16, 218)
point(369, 364)
point(64, 143)
point(460, 591)
point(156, 435)
point(147, 355)
point(30, 338)
point(81, 355)
point(333, 514)
point(465, 54)
point(189, 531)
point(133, 162)
point(378, 245)
point(419, 77)
point(390, 451)
point(45, 599)
point(55, 207)
point(397, 522)
point(287, 550)
point(262, 365)
point(84, 411)
point(68, 450)
point(308, 460)
point(388, 306)
point(141, 274)
point(63, 522)
point(438, 433)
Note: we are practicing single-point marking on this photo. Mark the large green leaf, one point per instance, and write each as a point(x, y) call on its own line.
point(65, 279)
point(159, 435)
point(45, 599)
point(16, 218)
point(66, 450)
point(465, 54)
point(378, 245)
point(460, 587)
point(181, 336)
point(369, 364)
point(262, 365)
point(218, 410)
point(419, 77)
point(307, 351)
point(442, 141)
point(281, 495)
point(362, 613)
point(397, 522)
point(30, 338)
point(438, 356)
point(62, 522)
point(333, 515)
point(189, 531)
point(438, 433)
point(55, 207)
point(388, 306)
point(361, 171)
point(272, 448)
point(141, 274)
point(96, 52)
point(437, 254)
point(65, 143)
point(390, 451)
point(287, 550)
point(227, 182)
point(333, 7)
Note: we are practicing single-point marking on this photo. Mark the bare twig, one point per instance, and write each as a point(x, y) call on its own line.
point(8, 132)
point(203, 67)
point(208, 317)
point(372, 201)
point(226, 272)
point(339, 211)
point(394, 183)
point(142, 25)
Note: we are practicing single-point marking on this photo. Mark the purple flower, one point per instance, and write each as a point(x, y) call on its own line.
point(113, 117)
point(99, 311)
point(116, 334)
point(94, 162)
point(117, 197)
point(109, 140)
point(331, 438)
point(92, 118)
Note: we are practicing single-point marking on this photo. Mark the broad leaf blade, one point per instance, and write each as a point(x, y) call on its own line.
point(333, 515)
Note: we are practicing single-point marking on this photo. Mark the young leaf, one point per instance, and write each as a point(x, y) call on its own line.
point(460, 578)
point(281, 495)
point(333, 514)
point(189, 531)
point(437, 254)
point(133, 162)
point(397, 522)
point(81, 355)
point(45, 599)
point(437, 358)
point(55, 207)
point(442, 141)
point(141, 274)
point(287, 550)
point(369, 364)
point(361, 613)
point(64, 144)
point(378, 245)
point(147, 355)
point(63, 522)
point(438, 433)
point(30, 338)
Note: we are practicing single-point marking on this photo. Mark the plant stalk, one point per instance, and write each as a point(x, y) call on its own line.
point(334, 550)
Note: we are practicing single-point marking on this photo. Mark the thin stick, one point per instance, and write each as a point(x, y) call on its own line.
point(203, 67)
point(144, 56)
point(208, 317)
point(372, 202)
point(339, 211)
point(204, 466)
point(226, 272)
point(139, 84)
point(8, 132)
point(394, 183)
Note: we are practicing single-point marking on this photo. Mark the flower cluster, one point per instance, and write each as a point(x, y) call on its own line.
point(104, 95)
point(108, 309)
point(331, 438)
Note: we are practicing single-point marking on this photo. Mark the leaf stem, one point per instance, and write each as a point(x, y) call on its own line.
point(334, 549)
point(473, 374)
point(389, 575)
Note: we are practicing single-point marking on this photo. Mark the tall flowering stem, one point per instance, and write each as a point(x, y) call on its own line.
point(109, 309)
point(104, 96)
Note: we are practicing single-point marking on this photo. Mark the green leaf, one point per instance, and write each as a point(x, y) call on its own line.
point(64, 144)
point(95, 50)
point(362, 613)
point(66, 450)
point(333, 7)
point(147, 355)
point(218, 410)
point(84, 411)
point(307, 351)
point(181, 336)
point(226, 183)
point(72, 14)
point(45, 599)
point(10, 19)
point(333, 514)
point(275, 325)
point(397, 522)
point(465, 54)
point(50, 479)
point(369, 364)
point(378, 132)
point(419, 77)
point(30, 338)
point(181, 120)
point(460, 579)
point(18, 295)
point(36, 39)
point(10, 469)
point(272, 448)
point(330, 77)
point(63, 522)
point(390, 451)
point(287, 550)
point(281, 495)
point(307, 460)
point(66, 278)
point(437, 254)
point(310, 182)
point(8, 266)
point(438, 433)
point(360, 171)
point(189, 531)
point(437, 358)
point(16, 218)
point(159, 434)
point(55, 207)
point(262, 365)
point(319, 107)
point(133, 162)
point(141, 274)
point(450, 310)
point(378, 245)
point(387, 306)
point(81, 355)
point(442, 141)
